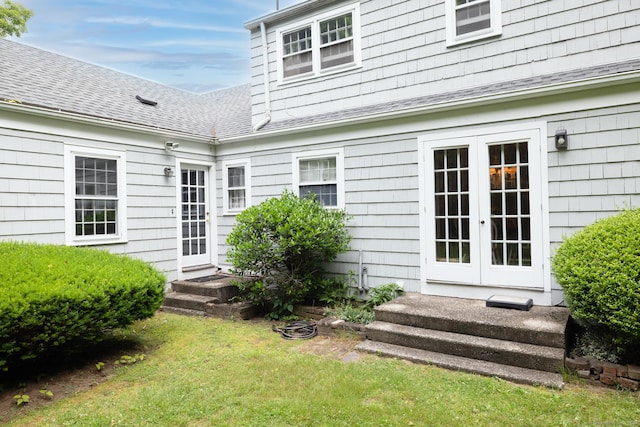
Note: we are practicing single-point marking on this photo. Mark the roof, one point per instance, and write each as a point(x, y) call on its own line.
point(38, 78)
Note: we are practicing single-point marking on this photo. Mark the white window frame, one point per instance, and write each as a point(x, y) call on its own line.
point(246, 164)
point(494, 29)
point(70, 154)
point(314, 23)
point(338, 154)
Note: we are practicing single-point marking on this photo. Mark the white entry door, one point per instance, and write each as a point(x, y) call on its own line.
point(194, 207)
point(484, 210)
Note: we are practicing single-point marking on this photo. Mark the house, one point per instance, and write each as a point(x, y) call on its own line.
point(466, 138)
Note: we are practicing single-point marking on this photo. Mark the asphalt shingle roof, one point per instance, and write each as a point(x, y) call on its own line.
point(43, 79)
point(39, 78)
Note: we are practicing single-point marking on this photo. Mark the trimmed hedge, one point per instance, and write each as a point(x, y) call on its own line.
point(599, 270)
point(54, 297)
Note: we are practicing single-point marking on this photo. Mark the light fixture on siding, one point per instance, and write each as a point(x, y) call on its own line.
point(562, 140)
point(170, 145)
point(168, 172)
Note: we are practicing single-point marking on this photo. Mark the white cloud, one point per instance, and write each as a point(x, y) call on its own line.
point(158, 23)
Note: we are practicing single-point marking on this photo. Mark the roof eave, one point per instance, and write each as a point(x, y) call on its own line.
point(288, 13)
point(476, 101)
point(99, 121)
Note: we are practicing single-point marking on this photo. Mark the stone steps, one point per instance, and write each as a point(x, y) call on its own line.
point(456, 363)
point(207, 296)
point(467, 335)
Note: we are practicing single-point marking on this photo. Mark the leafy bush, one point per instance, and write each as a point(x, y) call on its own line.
point(352, 313)
point(384, 293)
point(286, 242)
point(599, 270)
point(55, 297)
point(363, 312)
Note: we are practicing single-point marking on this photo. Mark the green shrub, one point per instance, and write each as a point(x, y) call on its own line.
point(384, 293)
point(55, 297)
point(599, 270)
point(286, 242)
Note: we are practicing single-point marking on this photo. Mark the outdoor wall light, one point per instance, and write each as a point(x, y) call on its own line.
point(170, 145)
point(562, 140)
point(168, 172)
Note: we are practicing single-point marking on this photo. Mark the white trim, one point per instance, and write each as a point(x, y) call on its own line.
point(314, 23)
point(495, 28)
point(246, 164)
point(70, 153)
point(338, 153)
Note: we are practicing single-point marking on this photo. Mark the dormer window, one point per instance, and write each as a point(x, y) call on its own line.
point(469, 20)
point(329, 43)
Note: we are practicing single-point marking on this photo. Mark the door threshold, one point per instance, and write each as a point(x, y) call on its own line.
point(199, 267)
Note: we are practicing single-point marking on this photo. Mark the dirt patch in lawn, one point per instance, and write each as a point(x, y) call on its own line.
point(63, 378)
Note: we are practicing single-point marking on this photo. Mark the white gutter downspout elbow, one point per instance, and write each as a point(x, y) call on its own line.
point(265, 70)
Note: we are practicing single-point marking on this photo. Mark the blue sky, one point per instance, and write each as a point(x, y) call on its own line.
point(193, 45)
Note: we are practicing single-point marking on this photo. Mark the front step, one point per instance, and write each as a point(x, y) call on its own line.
point(504, 352)
point(207, 296)
point(457, 363)
point(541, 325)
point(187, 301)
point(467, 335)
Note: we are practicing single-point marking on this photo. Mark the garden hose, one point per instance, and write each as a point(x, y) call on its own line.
point(299, 330)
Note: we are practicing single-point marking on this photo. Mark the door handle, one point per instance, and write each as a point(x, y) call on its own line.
point(482, 222)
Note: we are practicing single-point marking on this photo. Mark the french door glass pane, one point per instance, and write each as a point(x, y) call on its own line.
point(509, 201)
point(451, 205)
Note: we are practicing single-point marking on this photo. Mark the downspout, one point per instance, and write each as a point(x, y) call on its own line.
point(265, 70)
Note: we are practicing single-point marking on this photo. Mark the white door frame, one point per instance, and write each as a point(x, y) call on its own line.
point(210, 193)
point(479, 278)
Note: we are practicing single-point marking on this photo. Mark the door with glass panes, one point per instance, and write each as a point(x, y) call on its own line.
point(483, 210)
point(194, 206)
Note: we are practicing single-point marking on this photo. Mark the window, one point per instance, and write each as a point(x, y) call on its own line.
point(95, 196)
point(320, 173)
point(469, 20)
point(328, 43)
point(236, 183)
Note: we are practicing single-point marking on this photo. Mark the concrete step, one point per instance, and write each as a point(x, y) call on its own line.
point(219, 287)
point(540, 325)
point(187, 301)
point(481, 367)
point(184, 311)
point(505, 352)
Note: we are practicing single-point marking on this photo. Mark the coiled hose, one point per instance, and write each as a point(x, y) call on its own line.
point(298, 330)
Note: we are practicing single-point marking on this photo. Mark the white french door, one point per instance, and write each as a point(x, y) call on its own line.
point(484, 210)
point(194, 208)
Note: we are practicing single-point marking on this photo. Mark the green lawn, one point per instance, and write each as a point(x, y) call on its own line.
point(211, 372)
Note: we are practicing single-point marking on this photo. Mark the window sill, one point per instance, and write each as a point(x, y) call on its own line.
point(473, 38)
point(312, 76)
point(97, 242)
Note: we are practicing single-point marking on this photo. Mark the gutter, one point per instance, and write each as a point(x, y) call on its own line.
point(265, 74)
point(99, 121)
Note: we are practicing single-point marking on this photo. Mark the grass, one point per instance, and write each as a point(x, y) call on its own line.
point(210, 372)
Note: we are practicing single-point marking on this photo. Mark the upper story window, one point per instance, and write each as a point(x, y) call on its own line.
point(236, 185)
point(469, 20)
point(320, 173)
point(328, 43)
point(95, 192)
